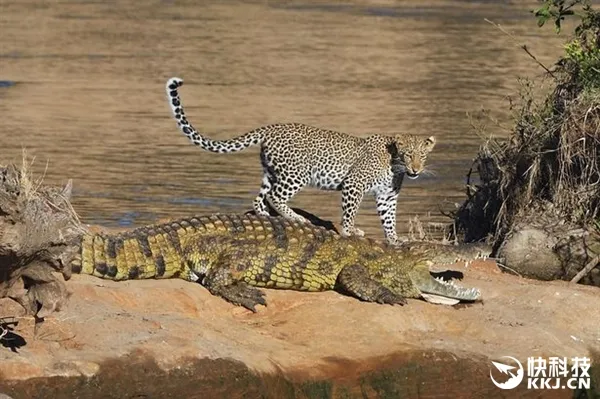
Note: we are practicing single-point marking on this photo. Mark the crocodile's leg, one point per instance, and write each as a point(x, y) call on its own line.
point(221, 281)
point(356, 281)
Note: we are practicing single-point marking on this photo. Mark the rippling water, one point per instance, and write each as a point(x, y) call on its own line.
point(88, 94)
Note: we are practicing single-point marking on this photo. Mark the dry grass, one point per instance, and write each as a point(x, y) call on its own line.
point(428, 231)
point(549, 164)
point(33, 191)
point(29, 185)
point(547, 170)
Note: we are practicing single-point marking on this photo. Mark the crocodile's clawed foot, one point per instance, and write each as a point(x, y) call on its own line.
point(252, 298)
point(242, 295)
point(387, 296)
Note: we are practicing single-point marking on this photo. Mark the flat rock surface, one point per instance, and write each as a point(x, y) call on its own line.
point(303, 336)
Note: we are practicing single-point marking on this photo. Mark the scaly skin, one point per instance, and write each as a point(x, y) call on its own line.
point(442, 254)
point(228, 254)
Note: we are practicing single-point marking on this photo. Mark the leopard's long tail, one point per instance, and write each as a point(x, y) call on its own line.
point(220, 146)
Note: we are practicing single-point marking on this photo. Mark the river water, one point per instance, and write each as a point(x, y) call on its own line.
point(83, 92)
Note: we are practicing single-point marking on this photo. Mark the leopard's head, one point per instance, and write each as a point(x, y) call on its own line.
point(412, 153)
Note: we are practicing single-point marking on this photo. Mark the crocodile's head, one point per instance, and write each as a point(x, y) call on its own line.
point(436, 290)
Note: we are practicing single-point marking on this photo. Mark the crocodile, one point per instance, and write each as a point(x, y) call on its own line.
point(234, 255)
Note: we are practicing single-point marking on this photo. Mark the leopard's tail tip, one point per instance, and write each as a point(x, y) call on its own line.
point(174, 83)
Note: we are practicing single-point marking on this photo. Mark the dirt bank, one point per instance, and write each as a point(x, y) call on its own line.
point(173, 339)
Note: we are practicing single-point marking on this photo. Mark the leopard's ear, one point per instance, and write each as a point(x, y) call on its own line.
point(429, 143)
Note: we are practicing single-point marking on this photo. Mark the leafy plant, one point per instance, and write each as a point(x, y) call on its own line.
point(581, 61)
point(557, 10)
point(586, 59)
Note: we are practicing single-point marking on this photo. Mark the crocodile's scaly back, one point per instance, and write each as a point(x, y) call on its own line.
point(147, 252)
point(169, 250)
point(229, 253)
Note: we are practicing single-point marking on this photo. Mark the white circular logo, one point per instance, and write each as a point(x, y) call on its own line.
point(514, 380)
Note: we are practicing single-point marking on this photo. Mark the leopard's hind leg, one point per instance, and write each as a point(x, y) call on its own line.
point(261, 207)
point(259, 204)
point(282, 190)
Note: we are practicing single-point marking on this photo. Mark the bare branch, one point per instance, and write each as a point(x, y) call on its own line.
point(523, 46)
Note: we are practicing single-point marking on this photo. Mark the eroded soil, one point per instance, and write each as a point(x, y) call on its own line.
point(174, 339)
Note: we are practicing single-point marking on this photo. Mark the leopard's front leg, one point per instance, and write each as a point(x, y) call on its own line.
point(386, 209)
point(352, 195)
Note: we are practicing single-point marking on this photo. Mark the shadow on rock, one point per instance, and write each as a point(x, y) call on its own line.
point(8, 338)
point(314, 219)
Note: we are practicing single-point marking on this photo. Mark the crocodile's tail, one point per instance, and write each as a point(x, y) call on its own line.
point(143, 253)
point(220, 146)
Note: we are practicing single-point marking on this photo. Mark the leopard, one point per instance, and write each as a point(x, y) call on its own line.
point(295, 155)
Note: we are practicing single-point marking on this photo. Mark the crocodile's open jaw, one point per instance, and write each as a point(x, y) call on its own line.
point(436, 290)
point(439, 300)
